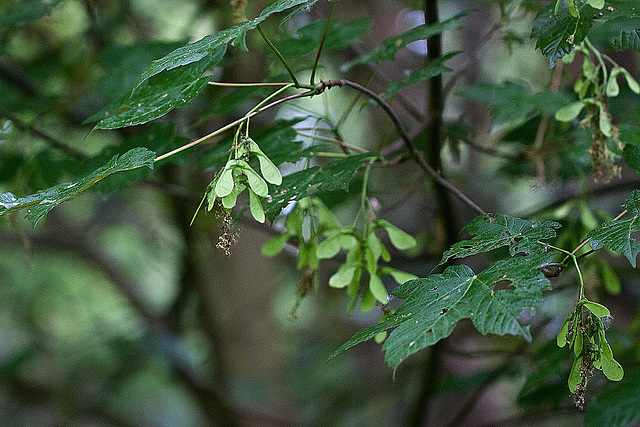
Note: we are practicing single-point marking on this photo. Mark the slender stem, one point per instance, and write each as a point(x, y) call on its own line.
point(257, 84)
point(334, 141)
point(415, 153)
point(596, 52)
point(575, 262)
point(270, 97)
point(581, 245)
point(363, 199)
point(232, 124)
point(324, 37)
point(326, 154)
point(279, 55)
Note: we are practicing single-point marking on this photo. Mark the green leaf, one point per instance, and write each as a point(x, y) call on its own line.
point(598, 310)
point(432, 69)
point(163, 93)
point(561, 338)
point(615, 235)
point(631, 82)
point(256, 207)
point(627, 39)
point(337, 175)
point(610, 367)
point(40, 203)
point(295, 186)
point(398, 275)
point(387, 51)
point(123, 65)
point(399, 239)
point(274, 246)
point(493, 231)
point(24, 11)
point(575, 379)
point(377, 289)
point(619, 406)
point(514, 101)
point(334, 176)
point(597, 4)
point(557, 34)
point(570, 112)
point(343, 276)
point(235, 35)
point(329, 247)
point(225, 183)
point(632, 156)
point(256, 182)
point(434, 305)
point(270, 172)
point(340, 35)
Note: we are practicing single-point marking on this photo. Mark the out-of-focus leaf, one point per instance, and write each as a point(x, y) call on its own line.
point(513, 101)
point(494, 231)
point(628, 39)
point(160, 95)
point(40, 203)
point(434, 305)
point(430, 70)
point(123, 65)
point(24, 11)
point(618, 407)
point(235, 35)
point(558, 33)
point(339, 36)
point(545, 384)
point(616, 235)
point(387, 51)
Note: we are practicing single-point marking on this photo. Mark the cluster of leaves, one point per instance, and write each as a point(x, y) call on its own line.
point(561, 27)
point(434, 305)
point(237, 175)
point(319, 235)
point(583, 330)
point(492, 299)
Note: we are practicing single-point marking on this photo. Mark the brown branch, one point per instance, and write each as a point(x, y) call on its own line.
point(415, 153)
point(53, 142)
point(473, 59)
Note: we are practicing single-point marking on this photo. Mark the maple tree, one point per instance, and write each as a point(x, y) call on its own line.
point(575, 131)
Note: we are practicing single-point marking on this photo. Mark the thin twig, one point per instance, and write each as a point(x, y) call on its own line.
point(416, 154)
point(334, 141)
point(487, 150)
point(249, 84)
point(279, 55)
point(53, 142)
point(542, 128)
point(232, 124)
point(473, 59)
point(324, 37)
